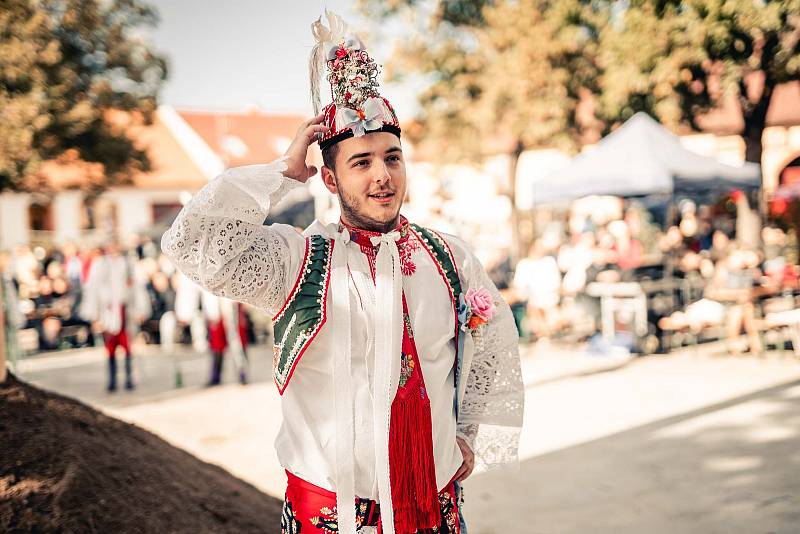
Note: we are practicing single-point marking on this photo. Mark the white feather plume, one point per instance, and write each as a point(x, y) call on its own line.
point(324, 38)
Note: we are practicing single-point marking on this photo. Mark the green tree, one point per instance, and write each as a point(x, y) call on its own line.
point(63, 65)
point(501, 76)
point(679, 59)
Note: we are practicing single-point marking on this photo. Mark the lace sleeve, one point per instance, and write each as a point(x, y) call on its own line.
point(491, 411)
point(220, 242)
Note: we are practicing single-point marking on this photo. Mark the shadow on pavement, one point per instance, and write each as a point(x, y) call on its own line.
point(730, 467)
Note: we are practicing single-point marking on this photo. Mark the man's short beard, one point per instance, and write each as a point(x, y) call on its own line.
point(349, 206)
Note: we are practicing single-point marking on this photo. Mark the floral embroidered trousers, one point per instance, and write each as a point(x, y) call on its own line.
point(309, 509)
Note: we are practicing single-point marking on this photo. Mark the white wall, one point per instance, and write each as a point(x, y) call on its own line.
point(134, 207)
point(14, 220)
point(133, 211)
point(67, 215)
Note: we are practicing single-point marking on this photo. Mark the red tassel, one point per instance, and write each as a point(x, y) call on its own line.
point(411, 466)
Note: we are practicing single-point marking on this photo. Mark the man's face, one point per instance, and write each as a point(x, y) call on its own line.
point(370, 180)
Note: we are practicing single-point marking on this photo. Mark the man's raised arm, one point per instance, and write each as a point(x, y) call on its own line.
point(220, 242)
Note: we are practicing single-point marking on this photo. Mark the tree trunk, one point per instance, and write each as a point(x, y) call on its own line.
point(754, 115)
point(755, 121)
point(516, 244)
point(752, 142)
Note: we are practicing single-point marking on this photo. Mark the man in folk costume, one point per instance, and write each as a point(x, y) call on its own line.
point(395, 355)
point(109, 299)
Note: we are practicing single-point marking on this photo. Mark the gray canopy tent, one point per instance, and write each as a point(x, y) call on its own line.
point(641, 158)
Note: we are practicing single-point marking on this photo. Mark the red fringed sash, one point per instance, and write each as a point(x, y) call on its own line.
point(411, 464)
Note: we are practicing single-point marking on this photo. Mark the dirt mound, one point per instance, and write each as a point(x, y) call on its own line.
point(65, 467)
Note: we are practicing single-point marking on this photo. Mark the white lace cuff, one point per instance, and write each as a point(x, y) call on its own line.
point(491, 411)
point(468, 433)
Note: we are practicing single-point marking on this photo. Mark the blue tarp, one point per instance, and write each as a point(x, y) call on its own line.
point(642, 157)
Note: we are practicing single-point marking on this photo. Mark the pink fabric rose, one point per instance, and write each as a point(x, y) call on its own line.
point(481, 303)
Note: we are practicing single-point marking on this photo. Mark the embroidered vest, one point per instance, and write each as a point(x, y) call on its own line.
point(304, 311)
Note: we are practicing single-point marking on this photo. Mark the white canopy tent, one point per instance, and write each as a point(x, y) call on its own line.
point(640, 158)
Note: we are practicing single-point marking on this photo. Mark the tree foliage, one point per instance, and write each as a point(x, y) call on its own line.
point(521, 68)
point(502, 75)
point(679, 59)
point(63, 65)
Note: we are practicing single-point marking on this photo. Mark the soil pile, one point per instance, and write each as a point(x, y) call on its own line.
point(65, 467)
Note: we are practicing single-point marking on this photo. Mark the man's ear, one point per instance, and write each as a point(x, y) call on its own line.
point(329, 179)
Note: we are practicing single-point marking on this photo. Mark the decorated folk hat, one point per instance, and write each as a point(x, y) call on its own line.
point(357, 107)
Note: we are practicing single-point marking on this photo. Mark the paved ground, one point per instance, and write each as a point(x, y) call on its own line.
point(691, 442)
point(683, 444)
point(83, 374)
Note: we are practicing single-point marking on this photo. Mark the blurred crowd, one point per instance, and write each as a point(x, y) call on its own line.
point(56, 305)
point(708, 270)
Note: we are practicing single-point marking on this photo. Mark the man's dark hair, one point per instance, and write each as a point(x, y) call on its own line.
point(329, 154)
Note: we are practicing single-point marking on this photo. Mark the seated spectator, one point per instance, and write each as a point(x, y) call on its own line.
point(46, 317)
point(574, 260)
point(538, 280)
point(720, 246)
point(629, 251)
point(728, 300)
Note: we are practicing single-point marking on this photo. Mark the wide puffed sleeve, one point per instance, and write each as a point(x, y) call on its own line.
point(491, 406)
point(219, 240)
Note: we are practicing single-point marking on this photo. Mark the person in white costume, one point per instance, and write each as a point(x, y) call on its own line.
point(112, 299)
point(395, 355)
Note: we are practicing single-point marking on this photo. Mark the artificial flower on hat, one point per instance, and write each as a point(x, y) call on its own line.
point(357, 107)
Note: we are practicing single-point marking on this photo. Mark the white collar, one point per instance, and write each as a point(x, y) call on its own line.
point(318, 228)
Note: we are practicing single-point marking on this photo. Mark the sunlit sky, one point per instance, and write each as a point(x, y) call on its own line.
point(240, 54)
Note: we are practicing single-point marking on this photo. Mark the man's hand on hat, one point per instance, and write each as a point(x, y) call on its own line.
point(296, 154)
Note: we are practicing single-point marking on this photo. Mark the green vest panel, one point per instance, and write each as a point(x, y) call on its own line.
point(304, 312)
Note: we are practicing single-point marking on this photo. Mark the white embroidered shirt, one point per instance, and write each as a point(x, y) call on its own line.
point(220, 242)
